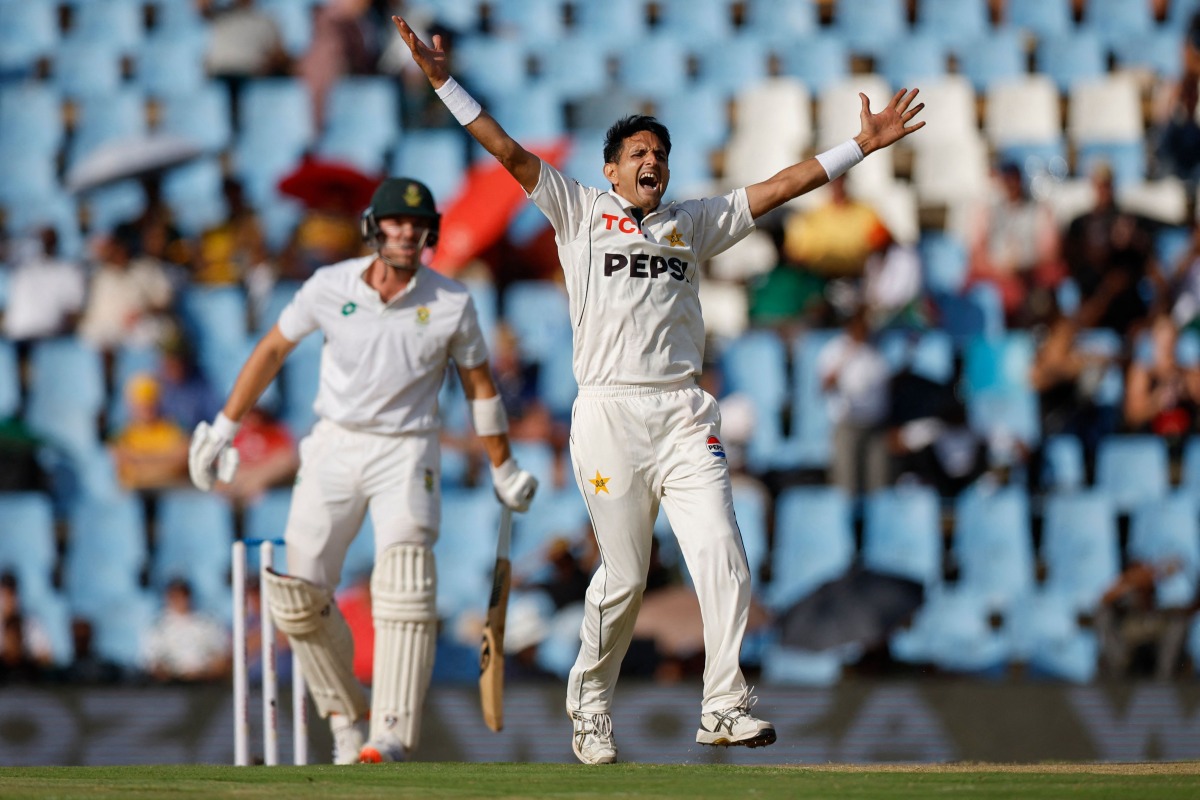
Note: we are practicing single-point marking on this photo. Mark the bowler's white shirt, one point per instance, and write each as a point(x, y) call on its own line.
point(634, 290)
point(383, 363)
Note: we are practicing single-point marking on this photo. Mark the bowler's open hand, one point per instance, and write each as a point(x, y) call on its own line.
point(891, 124)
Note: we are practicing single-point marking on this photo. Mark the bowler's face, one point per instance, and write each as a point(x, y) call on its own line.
point(640, 173)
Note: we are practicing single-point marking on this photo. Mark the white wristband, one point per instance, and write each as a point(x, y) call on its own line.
point(464, 107)
point(840, 158)
point(488, 416)
point(225, 428)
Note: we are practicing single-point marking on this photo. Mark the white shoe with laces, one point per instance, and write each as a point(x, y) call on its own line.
point(592, 739)
point(347, 739)
point(735, 726)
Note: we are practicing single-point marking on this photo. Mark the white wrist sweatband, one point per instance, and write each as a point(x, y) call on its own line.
point(840, 158)
point(464, 107)
point(505, 471)
point(225, 428)
point(488, 416)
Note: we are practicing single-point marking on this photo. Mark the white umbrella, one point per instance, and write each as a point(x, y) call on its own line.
point(137, 157)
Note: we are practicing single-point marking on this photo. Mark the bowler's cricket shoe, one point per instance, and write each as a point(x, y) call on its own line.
point(347, 739)
point(381, 751)
point(592, 740)
point(735, 726)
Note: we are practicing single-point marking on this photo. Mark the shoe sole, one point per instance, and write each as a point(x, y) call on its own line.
point(760, 739)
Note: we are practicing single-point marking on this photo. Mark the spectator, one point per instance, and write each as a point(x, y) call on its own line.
point(1108, 254)
point(854, 378)
point(45, 292)
point(343, 43)
point(269, 456)
point(28, 643)
point(151, 451)
point(244, 43)
point(1136, 635)
point(1186, 305)
point(229, 251)
point(834, 239)
point(128, 295)
point(568, 579)
point(1162, 395)
point(186, 397)
point(1013, 243)
point(941, 449)
point(1176, 121)
point(184, 645)
point(17, 663)
point(88, 667)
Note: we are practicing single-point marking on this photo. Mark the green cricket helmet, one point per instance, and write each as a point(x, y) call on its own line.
point(397, 197)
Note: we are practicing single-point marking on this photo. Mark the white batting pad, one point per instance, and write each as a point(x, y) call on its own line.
point(404, 606)
point(322, 643)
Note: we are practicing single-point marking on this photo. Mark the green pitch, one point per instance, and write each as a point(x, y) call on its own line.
point(565, 782)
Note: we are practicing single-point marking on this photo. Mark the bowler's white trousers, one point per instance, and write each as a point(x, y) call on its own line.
point(634, 447)
point(344, 472)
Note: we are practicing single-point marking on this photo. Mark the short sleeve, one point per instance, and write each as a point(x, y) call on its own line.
point(467, 347)
point(721, 221)
point(563, 200)
point(298, 318)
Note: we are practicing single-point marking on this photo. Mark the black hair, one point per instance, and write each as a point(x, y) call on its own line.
point(625, 127)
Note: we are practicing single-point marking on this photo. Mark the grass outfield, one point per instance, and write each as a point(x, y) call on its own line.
point(492, 781)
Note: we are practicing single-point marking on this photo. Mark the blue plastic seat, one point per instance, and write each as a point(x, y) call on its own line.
point(1156, 50)
point(611, 22)
point(955, 23)
point(1070, 59)
point(168, 66)
point(301, 377)
point(1115, 20)
point(27, 546)
point(295, 21)
point(532, 113)
point(1040, 17)
point(192, 541)
point(104, 118)
point(31, 119)
point(10, 380)
point(87, 68)
point(438, 156)
point(538, 313)
point(993, 59)
point(1132, 469)
point(1062, 463)
point(902, 533)
point(870, 26)
point(554, 513)
point(201, 115)
point(703, 20)
point(465, 549)
point(67, 373)
point(670, 73)
point(120, 629)
point(108, 530)
point(916, 59)
point(1166, 534)
point(275, 117)
point(1079, 546)
point(790, 666)
point(814, 542)
point(819, 61)
point(490, 66)
point(28, 32)
point(266, 517)
point(755, 365)
point(780, 23)
point(952, 630)
point(726, 67)
point(216, 319)
point(115, 22)
point(993, 545)
point(1043, 632)
point(362, 120)
point(750, 507)
point(701, 114)
point(1127, 160)
point(574, 67)
point(812, 428)
point(539, 21)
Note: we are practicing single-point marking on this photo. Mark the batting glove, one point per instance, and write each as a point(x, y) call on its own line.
point(212, 456)
point(514, 486)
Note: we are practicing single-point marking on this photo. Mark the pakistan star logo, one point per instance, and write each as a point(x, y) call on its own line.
point(349, 309)
point(675, 238)
point(600, 482)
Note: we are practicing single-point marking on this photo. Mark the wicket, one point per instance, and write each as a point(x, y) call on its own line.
point(270, 677)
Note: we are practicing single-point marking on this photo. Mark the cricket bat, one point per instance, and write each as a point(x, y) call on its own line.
point(491, 650)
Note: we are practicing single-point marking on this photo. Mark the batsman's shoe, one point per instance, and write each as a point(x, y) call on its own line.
point(347, 739)
point(381, 751)
point(592, 740)
point(736, 726)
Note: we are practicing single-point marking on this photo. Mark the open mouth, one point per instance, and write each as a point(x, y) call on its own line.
point(648, 180)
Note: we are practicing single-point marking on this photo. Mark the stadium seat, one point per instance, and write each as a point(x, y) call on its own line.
point(993, 59)
point(492, 66)
point(727, 66)
point(1043, 632)
point(999, 364)
point(993, 545)
point(295, 21)
point(750, 501)
point(1023, 113)
point(914, 60)
point(537, 312)
point(838, 107)
point(217, 322)
point(266, 516)
point(300, 380)
point(557, 513)
point(779, 135)
point(1106, 110)
point(86, 68)
point(533, 20)
point(532, 113)
point(1114, 20)
point(1071, 59)
point(1165, 534)
point(27, 546)
point(812, 428)
point(201, 115)
point(1062, 463)
point(31, 119)
point(955, 23)
point(819, 61)
point(952, 630)
point(671, 66)
point(106, 552)
point(951, 172)
point(192, 541)
point(10, 380)
point(28, 32)
point(556, 383)
point(1039, 17)
point(573, 67)
point(118, 632)
point(275, 113)
point(944, 262)
point(790, 666)
point(465, 549)
point(114, 22)
point(870, 27)
point(67, 376)
point(194, 192)
point(780, 24)
point(1079, 546)
point(902, 533)
point(105, 118)
point(1132, 469)
point(439, 157)
point(167, 66)
point(755, 365)
point(1155, 52)
point(612, 22)
point(702, 113)
point(814, 543)
point(706, 21)
point(362, 120)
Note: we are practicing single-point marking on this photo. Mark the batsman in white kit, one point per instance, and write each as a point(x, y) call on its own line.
point(642, 431)
point(391, 328)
